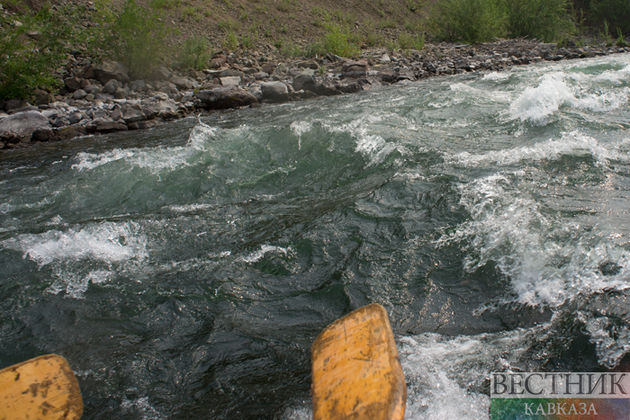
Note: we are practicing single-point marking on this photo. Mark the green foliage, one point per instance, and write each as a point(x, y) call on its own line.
point(387, 23)
point(373, 39)
point(228, 24)
point(468, 20)
point(542, 19)
point(32, 45)
point(231, 41)
point(414, 5)
point(164, 4)
point(315, 49)
point(615, 12)
point(337, 40)
point(249, 41)
point(133, 34)
point(289, 49)
point(407, 41)
point(194, 54)
point(621, 42)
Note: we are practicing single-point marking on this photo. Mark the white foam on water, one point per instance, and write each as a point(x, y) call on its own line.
point(300, 127)
point(573, 143)
point(445, 374)
point(615, 76)
point(73, 254)
point(155, 159)
point(142, 407)
point(547, 259)
point(575, 90)
point(372, 146)
point(536, 104)
point(264, 249)
point(200, 135)
point(496, 76)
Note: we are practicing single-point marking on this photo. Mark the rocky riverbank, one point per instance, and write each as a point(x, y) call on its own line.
point(101, 98)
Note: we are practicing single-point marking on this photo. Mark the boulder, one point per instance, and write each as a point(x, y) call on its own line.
point(69, 132)
point(184, 83)
point(224, 98)
point(304, 81)
point(108, 70)
point(268, 68)
point(111, 86)
point(141, 125)
point(160, 73)
point(275, 91)
point(79, 94)
point(24, 126)
point(218, 62)
point(355, 68)
point(308, 64)
point(72, 83)
point(104, 126)
point(230, 80)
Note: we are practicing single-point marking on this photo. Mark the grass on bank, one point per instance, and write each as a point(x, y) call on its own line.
point(33, 45)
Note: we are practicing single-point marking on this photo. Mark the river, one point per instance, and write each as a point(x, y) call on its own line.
point(184, 271)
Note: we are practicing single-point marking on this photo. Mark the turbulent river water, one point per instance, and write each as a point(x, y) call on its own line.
point(185, 271)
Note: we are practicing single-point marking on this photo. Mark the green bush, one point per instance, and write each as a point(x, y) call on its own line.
point(194, 54)
point(615, 12)
point(542, 19)
point(407, 41)
point(337, 40)
point(133, 34)
point(468, 20)
point(32, 46)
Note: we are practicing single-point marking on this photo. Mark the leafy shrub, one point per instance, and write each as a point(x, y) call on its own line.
point(615, 12)
point(133, 34)
point(194, 54)
point(338, 41)
point(231, 41)
point(32, 46)
point(407, 41)
point(468, 20)
point(542, 19)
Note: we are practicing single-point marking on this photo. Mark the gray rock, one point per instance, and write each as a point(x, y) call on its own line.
point(261, 75)
point(268, 68)
point(310, 64)
point(12, 104)
point(230, 80)
point(111, 86)
point(160, 73)
point(218, 62)
point(75, 117)
point(304, 81)
point(224, 98)
point(275, 91)
point(138, 86)
point(108, 70)
point(72, 83)
point(21, 126)
point(169, 88)
point(79, 94)
point(121, 93)
point(69, 132)
point(116, 114)
point(141, 125)
point(132, 114)
point(184, 83)
point(355, 68)
point(103, 126)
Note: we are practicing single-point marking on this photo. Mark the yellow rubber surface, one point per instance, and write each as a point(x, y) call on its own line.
point(43, 388)
point(356, 370)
